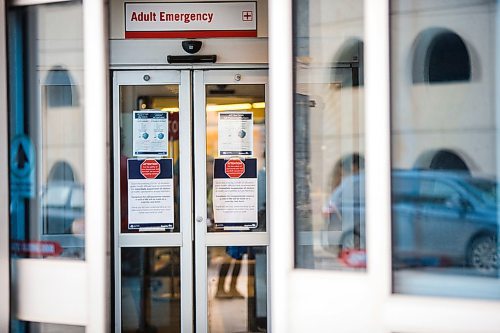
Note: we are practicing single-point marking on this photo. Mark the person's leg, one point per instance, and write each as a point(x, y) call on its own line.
point(224, 269)
point(234, 279)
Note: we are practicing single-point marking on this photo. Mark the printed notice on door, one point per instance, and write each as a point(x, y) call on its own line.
point(235, 133)
point(150, 128)
point(150, 194)
point(235, 193)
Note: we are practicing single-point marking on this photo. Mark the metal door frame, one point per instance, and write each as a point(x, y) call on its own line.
point(380, 310)
point(193, 141)
point(183, 239)
point(4, 190)
point(66, 281)
point(203, 238)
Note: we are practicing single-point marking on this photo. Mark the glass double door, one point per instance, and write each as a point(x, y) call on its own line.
point(190, 236)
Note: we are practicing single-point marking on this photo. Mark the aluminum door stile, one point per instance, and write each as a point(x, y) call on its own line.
point(182, 239)
point(186, 205)
point(199, 120)
point(4, 190)
point(203, 239)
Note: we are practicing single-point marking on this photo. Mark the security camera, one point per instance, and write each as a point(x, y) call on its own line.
point(191, 46)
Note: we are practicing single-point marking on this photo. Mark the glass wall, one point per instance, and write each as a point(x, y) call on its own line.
point(445, 117)
point(45, 76)
point(45, 73)
point(329, 134)
point(46, 131)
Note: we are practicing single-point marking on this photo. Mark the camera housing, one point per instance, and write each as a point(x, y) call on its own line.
point(191, 46)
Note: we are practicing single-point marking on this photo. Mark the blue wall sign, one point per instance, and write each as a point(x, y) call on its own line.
point(22, 167)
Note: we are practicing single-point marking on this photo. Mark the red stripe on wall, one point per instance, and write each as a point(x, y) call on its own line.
point(191, 34)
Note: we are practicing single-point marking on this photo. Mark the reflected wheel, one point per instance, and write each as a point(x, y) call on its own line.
point(483, 254)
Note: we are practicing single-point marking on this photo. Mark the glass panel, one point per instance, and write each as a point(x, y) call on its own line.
point(46, 176)
point(329, 135)
point(46, 131)
point(236, 127)
point(148, 98)
point(150, 290)
point(445, 138)
point(237, 289)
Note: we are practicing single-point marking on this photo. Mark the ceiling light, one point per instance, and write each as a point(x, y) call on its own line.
point(229, 107)
point(170, 109)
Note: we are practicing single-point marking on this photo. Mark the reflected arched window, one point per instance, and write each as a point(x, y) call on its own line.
point(348, 64)
point(440, 56)
point(60, 89)
point(61, 171)
point(441, 159)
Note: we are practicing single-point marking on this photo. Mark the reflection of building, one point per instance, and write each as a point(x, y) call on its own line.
point(419, 95)
point(60, 69)
point(441, 84)
point(444, 85)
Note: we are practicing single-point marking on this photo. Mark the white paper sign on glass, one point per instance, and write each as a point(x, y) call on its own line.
point(150, 194)
point(190, 19)
point(150, 130)
point(235, 193)
point(235, 137)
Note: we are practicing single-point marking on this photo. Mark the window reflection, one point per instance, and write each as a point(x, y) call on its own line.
point(444, 149)
point(444, 219)
point(63, 208)
point(329, 135)
point(440, 55)
point(60, 88)
point(345, 210)
point(46, 130)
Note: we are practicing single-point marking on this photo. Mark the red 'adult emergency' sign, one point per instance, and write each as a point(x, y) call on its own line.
point(150, 169)
point(191, 19)
point(234, 168)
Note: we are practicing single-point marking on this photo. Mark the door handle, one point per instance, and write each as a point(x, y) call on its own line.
point(199, 219)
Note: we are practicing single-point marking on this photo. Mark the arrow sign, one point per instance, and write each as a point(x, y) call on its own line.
point(22, 167)
point(22, 156)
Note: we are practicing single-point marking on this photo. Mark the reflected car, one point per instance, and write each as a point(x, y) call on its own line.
point(62, 204)
point(440, 219)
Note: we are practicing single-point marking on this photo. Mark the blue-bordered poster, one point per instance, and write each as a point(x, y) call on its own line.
point(150, 194)
point(234, 193)
point(150, 130)
point(235, 133)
